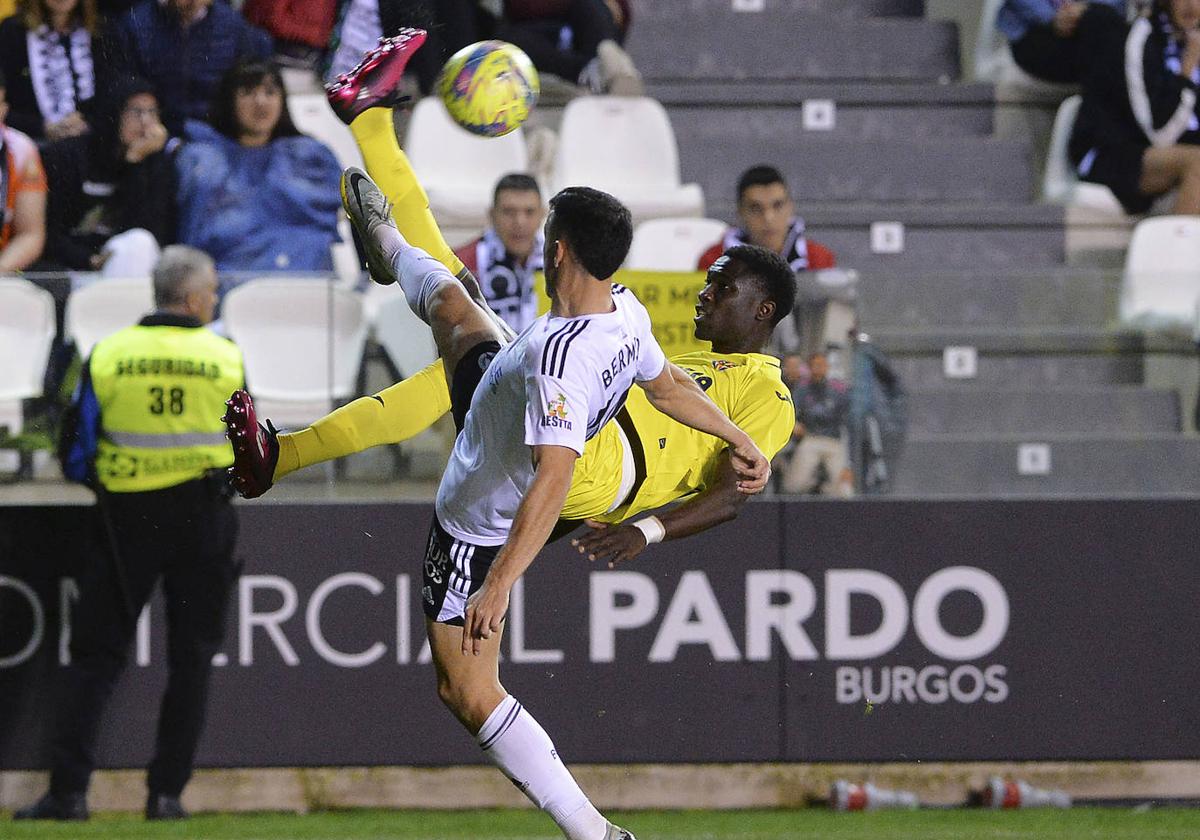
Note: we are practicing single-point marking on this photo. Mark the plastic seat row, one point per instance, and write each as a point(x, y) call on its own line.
point(624, 145)
point(303, 340)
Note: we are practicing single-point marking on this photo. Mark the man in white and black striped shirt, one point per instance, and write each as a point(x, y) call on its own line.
point(532, 406)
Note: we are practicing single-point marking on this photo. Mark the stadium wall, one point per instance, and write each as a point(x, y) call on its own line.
point(882, 631)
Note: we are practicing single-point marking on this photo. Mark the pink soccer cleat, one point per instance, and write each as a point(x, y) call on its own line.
point(373, 82)
point(255, 448)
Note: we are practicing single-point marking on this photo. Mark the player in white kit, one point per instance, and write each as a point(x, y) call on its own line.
point(532, 405)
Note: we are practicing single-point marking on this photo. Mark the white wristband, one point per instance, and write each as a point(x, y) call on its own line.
point(652, 529)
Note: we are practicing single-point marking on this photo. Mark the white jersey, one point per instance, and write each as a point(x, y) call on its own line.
point(557, 383)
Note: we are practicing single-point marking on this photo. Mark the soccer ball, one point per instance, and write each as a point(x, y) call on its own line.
point(489, 87)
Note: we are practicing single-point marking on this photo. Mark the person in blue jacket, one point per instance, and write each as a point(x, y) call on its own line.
point(183, 47)
point(253, 192)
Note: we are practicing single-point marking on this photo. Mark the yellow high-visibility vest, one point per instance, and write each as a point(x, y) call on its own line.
point(162, 391)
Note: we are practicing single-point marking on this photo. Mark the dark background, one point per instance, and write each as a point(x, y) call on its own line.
point(1100, 650)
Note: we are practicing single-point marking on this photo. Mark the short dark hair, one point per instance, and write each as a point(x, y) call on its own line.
point(597, 227)
point(245, 75)
point(518, 182)
point(759, 176)
point(773, 273)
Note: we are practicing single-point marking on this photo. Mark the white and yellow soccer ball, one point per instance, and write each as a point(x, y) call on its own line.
point(489, 87)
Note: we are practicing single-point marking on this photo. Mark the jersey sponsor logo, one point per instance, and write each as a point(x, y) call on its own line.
point(723, 364)
point(556, 413)
point(627, 355)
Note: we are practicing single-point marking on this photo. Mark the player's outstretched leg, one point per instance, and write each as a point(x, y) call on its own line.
point(510, 737)
point(435, 295)
point(363, 100)
point(262, 456)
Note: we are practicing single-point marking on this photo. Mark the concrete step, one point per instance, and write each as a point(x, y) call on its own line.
point(1022, 371)
point(921, 171)
point(845, 8)
point(948, 237)
point(1052, 297)
point(780, 43)
point(1024, 340)
point(1078, 466)
point(851, 121)
point(1130, 410)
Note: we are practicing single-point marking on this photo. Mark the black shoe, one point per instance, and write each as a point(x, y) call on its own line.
point(64, 806)
point(159, 806)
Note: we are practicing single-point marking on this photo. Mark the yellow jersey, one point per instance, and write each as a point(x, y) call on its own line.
point(677, 461)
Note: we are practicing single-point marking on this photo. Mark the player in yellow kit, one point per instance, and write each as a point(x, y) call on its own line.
point(643, 461)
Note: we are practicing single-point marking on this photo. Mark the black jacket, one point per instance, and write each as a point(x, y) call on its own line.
point(94, 194)
point(1132, 91)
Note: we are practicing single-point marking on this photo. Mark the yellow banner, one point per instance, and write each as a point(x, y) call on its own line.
point(669, 296)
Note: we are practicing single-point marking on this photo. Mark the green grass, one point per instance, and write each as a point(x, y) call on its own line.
point(813, 824)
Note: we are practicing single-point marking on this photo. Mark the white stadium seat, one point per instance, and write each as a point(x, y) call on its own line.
point(1161, 285)
point(26, 332)
point(303, 344)
point(1060, 183)
point(101, 308)
point(624, 145)
point(313, 116)
point(672, 244)
point(458, 169)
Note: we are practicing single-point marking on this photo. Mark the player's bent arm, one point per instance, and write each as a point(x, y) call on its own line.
point(676, 395)
point(719, 502)
point(535, 519)
point(394, 415)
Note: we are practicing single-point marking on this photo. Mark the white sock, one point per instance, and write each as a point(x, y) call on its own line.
point(514, 742)
point(419, 275)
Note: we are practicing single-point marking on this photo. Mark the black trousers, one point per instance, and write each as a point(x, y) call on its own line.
point(591, 22)
point(1044, 55)
point(183, 535)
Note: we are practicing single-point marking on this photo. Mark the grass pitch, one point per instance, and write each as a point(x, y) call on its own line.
point(813, 824)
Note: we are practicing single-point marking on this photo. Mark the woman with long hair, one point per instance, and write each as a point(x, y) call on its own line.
point(46, 53)
point(255, 193)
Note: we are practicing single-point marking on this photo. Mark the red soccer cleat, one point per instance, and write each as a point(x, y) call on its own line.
point(255, 448)
point(373, 82)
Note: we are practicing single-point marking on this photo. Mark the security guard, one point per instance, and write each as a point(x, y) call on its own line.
point(145, 431)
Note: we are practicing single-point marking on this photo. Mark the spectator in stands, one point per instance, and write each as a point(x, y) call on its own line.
point(183, 47)
point(509, 253)
point(112, 191)
point(768, 217)
point(1137, 132)
point(300, 30)
point(577, 40)
point(46, 53)
point(255, 193)
point(1043, 35)
point(818, 464)
point(22, 196)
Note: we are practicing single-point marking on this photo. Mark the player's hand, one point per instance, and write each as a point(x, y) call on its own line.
point(752, 467)
point(484, 616)
point(616, 543)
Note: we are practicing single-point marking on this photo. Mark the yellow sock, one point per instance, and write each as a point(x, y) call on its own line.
point(388, 167)
point(393, 415)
